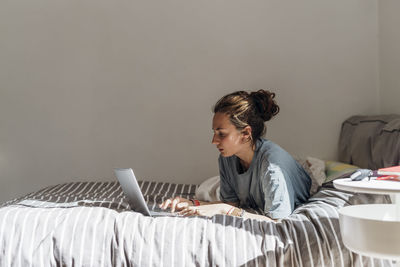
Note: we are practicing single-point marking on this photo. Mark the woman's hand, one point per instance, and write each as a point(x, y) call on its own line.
point(206, 210)
point(178, 203)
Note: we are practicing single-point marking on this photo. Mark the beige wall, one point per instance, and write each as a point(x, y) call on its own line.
point(389, 23)
point(86, 86)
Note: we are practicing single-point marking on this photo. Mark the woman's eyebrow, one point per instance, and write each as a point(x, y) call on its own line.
point(219, 128)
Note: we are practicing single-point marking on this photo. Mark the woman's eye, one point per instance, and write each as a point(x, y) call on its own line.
point(222, 135)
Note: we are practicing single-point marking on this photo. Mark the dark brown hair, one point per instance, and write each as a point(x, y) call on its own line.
point(249, 109)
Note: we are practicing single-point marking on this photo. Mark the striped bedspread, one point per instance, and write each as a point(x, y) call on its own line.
point(90, 224)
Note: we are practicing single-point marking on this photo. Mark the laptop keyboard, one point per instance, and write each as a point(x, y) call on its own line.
point(160, 212)
point(163, 213)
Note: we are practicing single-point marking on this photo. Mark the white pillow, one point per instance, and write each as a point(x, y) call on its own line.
point(315, 169)
point(209, 190)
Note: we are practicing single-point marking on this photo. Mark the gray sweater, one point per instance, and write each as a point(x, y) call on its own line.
point(274, 183)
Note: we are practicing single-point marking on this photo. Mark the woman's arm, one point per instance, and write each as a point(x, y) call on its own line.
point(180, 203)
point(212, 209)
point(249, 215)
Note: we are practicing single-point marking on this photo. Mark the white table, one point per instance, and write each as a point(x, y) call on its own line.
point(371, 229)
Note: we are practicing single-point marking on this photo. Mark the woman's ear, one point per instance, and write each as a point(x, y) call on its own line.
point(246, 134)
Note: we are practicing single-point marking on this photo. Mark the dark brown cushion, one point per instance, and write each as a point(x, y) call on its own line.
point(370, 141)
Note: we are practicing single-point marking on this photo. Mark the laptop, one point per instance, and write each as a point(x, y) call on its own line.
point(130, 186)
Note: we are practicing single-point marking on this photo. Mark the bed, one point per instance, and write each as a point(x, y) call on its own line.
point(91, 224)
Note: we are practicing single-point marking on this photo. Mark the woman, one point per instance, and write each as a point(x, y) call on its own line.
point(254, 172)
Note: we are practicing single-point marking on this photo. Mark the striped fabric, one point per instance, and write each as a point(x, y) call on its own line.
point(90, 224)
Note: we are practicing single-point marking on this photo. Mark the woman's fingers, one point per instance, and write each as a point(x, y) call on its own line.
point(182, 205)
point(184, 212)
point(200, 213)
point(192, 211)
point(165, 204)
point(174, 203)
point(188, 211)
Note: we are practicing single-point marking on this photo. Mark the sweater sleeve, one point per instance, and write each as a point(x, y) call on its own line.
point(276, 196)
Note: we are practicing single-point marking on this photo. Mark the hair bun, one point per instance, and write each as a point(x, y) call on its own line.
point(265, 104)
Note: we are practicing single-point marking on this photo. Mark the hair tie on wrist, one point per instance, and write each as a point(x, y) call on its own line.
point(195, 202)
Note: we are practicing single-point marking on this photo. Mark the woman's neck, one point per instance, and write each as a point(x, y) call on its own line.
point(246, 156)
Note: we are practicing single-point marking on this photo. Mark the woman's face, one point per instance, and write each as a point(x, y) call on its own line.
point(227, 138)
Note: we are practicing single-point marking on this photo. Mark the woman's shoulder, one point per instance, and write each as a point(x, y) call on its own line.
point(266, 147)
point(272, 152)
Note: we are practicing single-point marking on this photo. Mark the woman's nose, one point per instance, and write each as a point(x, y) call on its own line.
point(214, 140)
